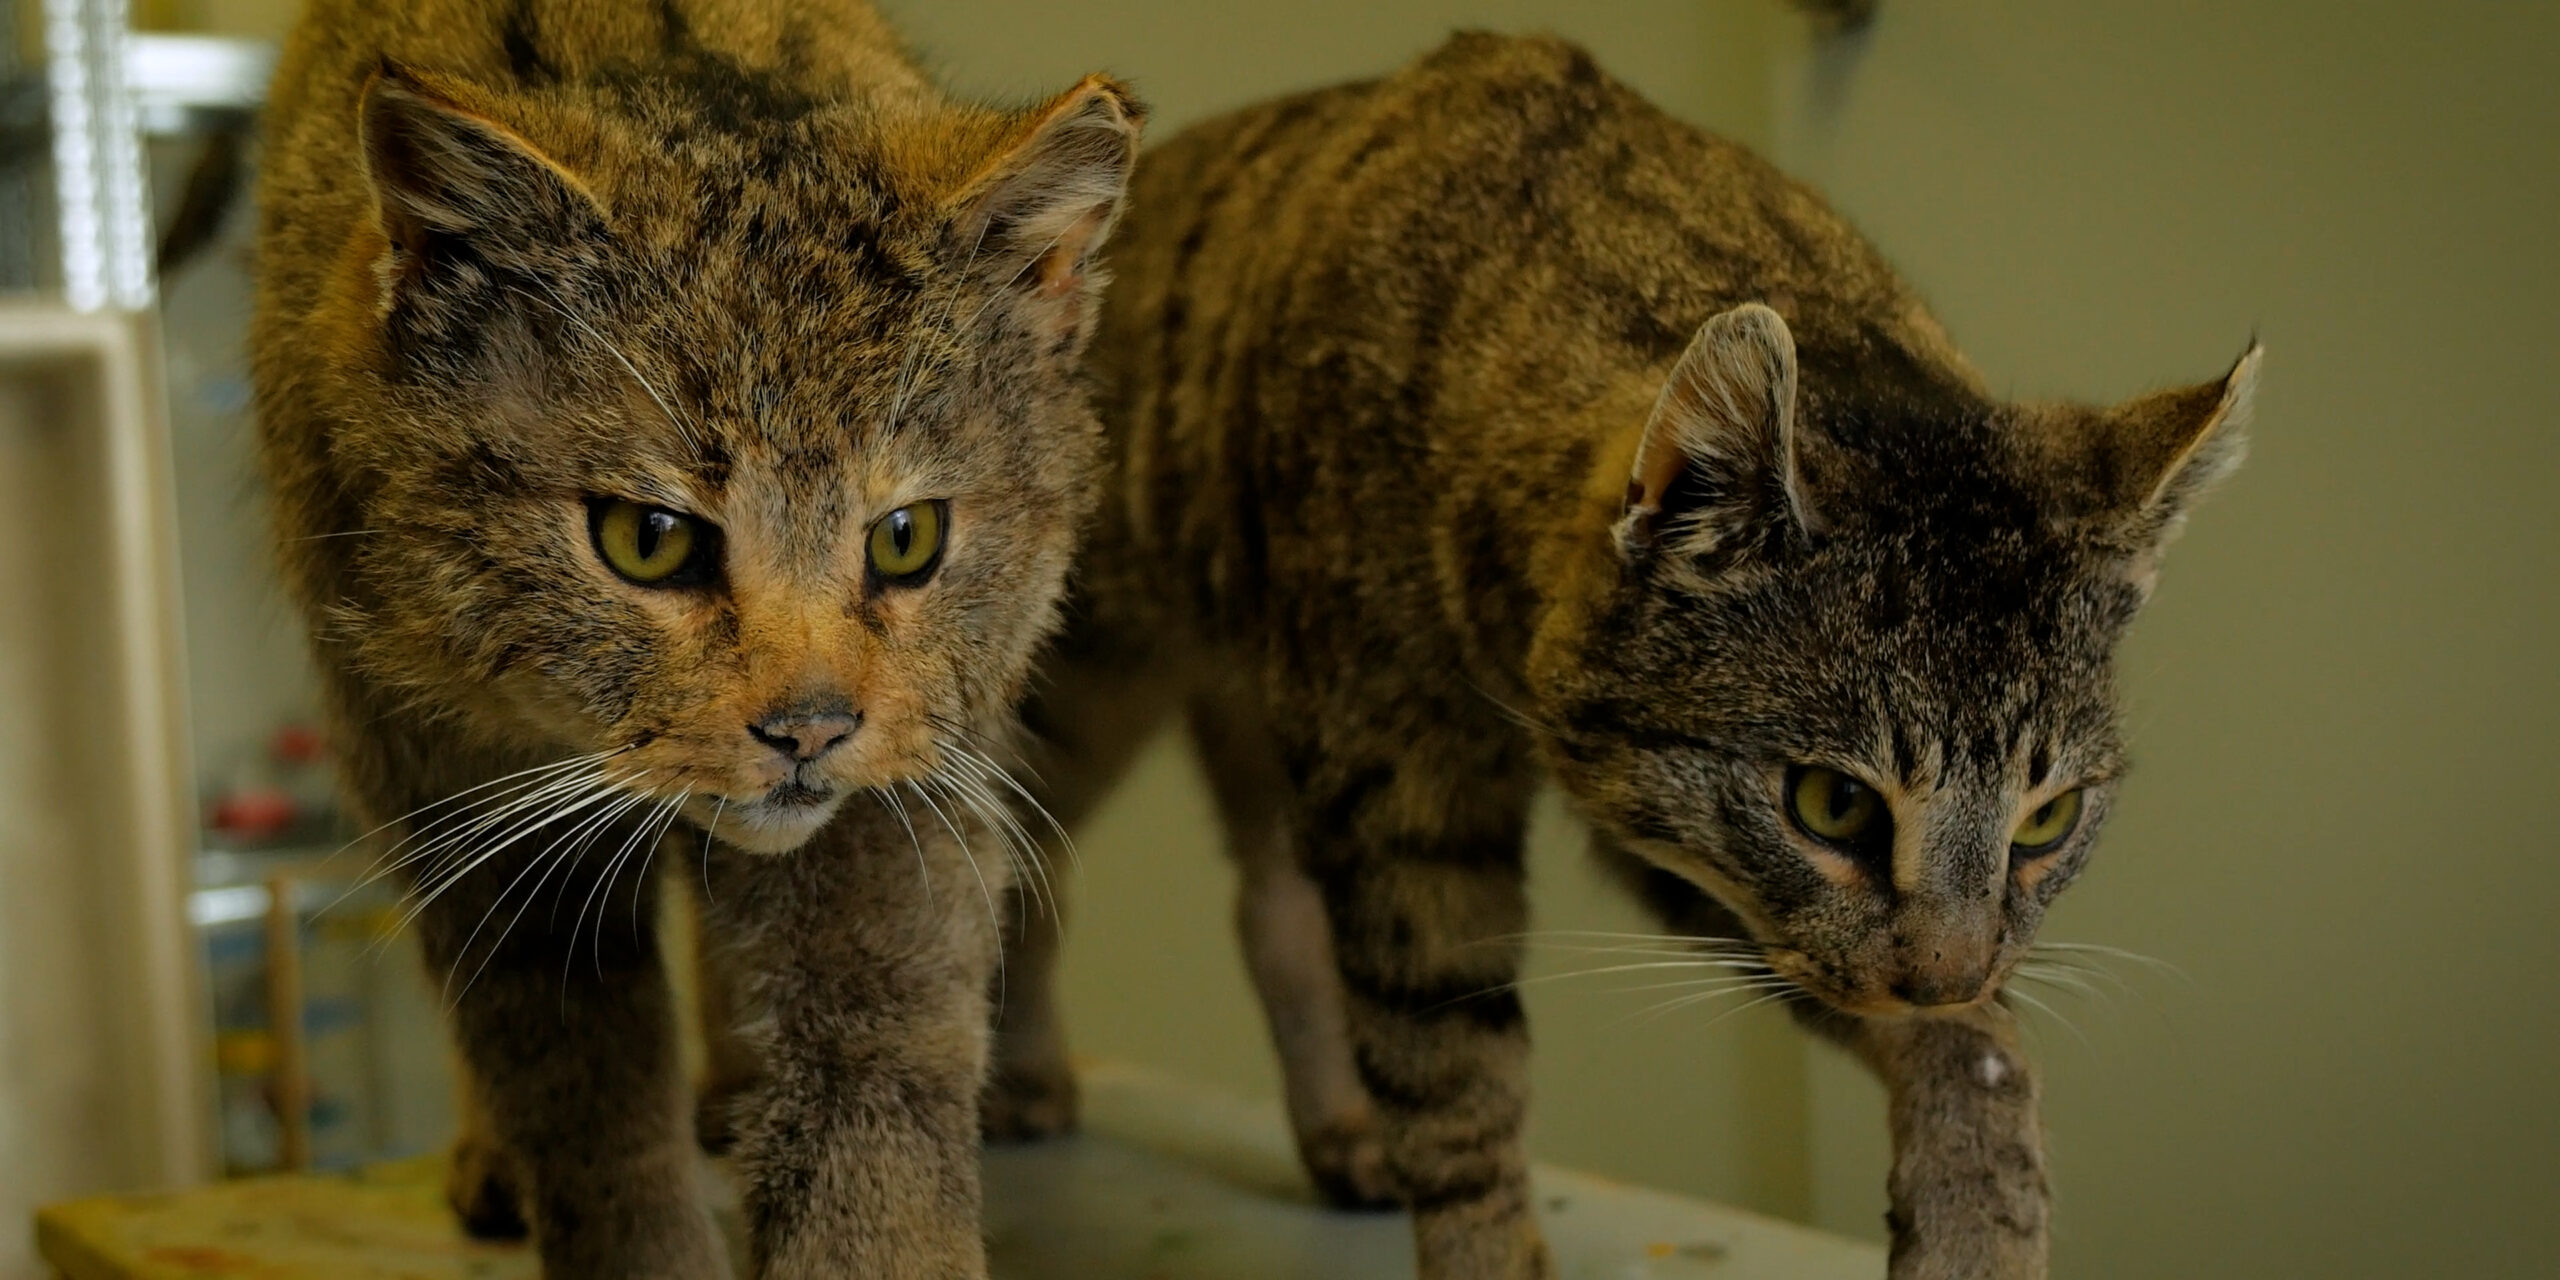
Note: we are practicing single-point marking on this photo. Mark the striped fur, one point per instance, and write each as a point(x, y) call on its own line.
point(1454, 450)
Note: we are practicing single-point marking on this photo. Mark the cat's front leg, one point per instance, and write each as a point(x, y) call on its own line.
point(864, 989)
point(566, 1028)
point(1425, 904)
point(1968, 1187)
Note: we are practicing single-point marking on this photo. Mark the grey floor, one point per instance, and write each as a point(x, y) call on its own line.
point(1175, 1183)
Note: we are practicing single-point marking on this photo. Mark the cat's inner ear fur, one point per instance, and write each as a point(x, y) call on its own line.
point(1718, 457)
point(2163, 451)
point(444, 175)
point(1031, 220)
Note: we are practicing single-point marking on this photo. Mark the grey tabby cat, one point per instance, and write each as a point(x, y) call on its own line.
point(1484, 425)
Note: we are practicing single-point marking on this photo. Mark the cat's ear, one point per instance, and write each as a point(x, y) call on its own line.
point(444, 175)
point(2161, 452)
point(1030, 221)
point(1718, 457)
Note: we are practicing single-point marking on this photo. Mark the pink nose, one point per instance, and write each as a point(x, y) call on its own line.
point(804, 735)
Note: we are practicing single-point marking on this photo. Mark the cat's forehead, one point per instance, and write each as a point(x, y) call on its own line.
point(1880, 639)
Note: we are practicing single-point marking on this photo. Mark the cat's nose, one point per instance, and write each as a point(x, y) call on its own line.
point(1928, 990)
point(804, 733)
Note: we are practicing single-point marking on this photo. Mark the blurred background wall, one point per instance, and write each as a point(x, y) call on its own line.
point(2342, 701)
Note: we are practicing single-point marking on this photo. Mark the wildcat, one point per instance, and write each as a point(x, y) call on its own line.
point(672, 417)
point(1484, 424)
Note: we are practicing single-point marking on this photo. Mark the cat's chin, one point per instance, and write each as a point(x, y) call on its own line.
point(773, 827)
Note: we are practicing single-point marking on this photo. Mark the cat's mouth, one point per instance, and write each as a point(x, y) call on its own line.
point(780, 820)
point(1866, 1001)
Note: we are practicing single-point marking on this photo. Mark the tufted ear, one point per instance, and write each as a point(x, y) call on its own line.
point(1032, 219)
point(2157, 454)
point(1718, 457)
point(450, 184)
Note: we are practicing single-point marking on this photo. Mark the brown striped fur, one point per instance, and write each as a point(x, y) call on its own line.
point(1485, 424)
point(740, 259)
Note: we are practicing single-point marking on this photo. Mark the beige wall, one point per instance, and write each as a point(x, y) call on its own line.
point(2344, 699)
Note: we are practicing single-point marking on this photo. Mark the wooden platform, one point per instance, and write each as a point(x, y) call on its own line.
point(1170, 1183)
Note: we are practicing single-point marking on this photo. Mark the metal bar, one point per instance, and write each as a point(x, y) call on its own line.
point(103, 205)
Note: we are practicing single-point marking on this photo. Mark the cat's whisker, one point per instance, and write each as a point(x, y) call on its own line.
point(1734, 974)
point(2081, 965)
point(986, 749)
point(665, 822)
point(1665, 1008)
point(1742, 982)
point(452, 871)
point(996, 810)
point(440, 884)
point(1517, 716)
point(1030, 880)
point(889, 800)
point(2049, 1011)
point(601, 884)
point(1721, 953)
point(1727, 966)
point(2114, 953)
point(1777, 996)
point(557, 304)
point(559, 853)
point(666, 827)
point(988, 767)
point(454, 853)
point(2062, 979)
point(601, 808)
point(1674, 939)
point(983, 891)
point(707, 834)
point(537, 771)
point(459, 828)
point(452, 847)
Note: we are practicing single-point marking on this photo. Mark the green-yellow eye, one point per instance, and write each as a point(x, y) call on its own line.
point(652, 546)
point(2048, 824)
point(906, 544)
point(1832, 806)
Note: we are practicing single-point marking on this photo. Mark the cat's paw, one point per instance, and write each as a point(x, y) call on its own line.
point(1028, 1104)
point(480, 1184)
point(1348, 1161)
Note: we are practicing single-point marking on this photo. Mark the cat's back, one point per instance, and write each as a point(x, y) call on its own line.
point(1494, 233)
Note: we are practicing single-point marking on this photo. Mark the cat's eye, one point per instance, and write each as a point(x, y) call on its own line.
point(1835, 808)
point(2047, 825)
point(906, 544)
point(652, 546)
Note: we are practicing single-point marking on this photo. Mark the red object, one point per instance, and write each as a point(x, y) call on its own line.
point(255, 813)
point(297, 744)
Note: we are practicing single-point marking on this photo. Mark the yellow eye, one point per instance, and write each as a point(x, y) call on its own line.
point(2048, 825)
point(907, 543)
point(651, 546)
point(1831, 805)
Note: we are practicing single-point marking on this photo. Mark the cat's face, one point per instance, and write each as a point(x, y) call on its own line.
point(757, 486)
point(1857, 685)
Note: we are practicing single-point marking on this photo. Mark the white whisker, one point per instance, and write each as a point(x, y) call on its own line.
point(553, 856)
point(673, 420)
point(889, 800)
